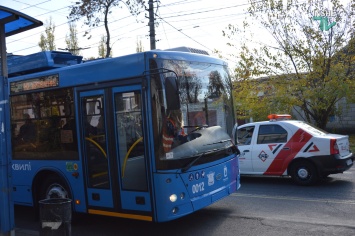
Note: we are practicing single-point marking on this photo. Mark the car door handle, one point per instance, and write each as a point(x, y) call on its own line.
point(246, 151)
point(286, 148)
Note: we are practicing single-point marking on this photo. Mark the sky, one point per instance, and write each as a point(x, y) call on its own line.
point(192, 23)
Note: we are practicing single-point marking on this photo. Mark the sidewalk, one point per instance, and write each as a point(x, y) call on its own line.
point(26, 232)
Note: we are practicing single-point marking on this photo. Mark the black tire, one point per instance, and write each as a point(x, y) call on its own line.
point(50, 182)
point(54, 187)
point(304, 173)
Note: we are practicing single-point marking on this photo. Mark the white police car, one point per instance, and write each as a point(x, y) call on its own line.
point(285, 147)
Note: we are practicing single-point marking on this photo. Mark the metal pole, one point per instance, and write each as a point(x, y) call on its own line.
point(6, 203)
point(151, 25)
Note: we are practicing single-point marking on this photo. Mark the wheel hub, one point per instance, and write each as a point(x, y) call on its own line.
point(303, 173)
point(56, 192)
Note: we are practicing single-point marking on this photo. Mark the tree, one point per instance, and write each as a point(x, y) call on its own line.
point(215, 86)
point(46, 42)
point(139, 47)
point(102, 48)
point(305, 68)
point(72, 41)
point(95, 10)
point(190, 87)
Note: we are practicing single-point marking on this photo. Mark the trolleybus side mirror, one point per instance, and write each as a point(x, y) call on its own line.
point(172, 93)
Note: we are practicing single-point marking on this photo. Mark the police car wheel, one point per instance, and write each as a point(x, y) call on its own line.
point(304, 173)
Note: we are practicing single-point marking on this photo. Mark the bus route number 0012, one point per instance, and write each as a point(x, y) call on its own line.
point(198, 187)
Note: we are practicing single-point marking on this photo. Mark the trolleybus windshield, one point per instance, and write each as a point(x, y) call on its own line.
point(193, 127)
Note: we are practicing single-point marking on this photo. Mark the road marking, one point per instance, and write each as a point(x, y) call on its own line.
point(351, 202)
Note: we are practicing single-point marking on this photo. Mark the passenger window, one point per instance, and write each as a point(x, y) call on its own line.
point(43, 126)
point(245, 135)
point(272, 134)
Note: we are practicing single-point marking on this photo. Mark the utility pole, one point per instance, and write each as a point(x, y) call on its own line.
point(151, 25)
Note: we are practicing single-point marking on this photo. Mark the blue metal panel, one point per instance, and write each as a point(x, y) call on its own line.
point(92, 71)
point(169, 184)
point(25, 171)
point(84, 73)
point(201, 186)
point(40, 61)
point(23, 194)
point(185, 56)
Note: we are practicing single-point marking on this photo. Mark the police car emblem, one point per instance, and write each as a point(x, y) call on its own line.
point(263, 156)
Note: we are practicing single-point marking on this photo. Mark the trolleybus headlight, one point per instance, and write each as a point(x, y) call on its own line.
point(173, 197)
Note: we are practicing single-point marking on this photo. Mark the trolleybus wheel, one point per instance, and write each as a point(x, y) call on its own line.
point(54, 187)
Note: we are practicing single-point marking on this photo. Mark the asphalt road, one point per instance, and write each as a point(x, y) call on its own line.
point(263, 206)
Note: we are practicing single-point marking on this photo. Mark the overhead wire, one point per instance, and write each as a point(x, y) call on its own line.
point(32, 5)
point(159, 17)
point(189, 22)
point(65, 23)
point(206, 11)
point(183, 33)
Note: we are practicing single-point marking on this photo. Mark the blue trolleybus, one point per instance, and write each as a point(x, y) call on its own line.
point(144, 136)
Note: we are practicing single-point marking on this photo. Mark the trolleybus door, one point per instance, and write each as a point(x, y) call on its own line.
point(94, 141)
point(128, 118)
point(113, 149)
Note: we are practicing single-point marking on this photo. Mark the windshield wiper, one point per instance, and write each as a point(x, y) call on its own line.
point(188, 166)
point(234, 147)
point(197, 127)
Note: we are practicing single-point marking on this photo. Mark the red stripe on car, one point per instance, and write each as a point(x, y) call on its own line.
point(288, 152)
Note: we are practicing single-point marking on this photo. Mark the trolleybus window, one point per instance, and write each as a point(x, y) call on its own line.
point(43, 125)
point(130, 137)
point(95, 141)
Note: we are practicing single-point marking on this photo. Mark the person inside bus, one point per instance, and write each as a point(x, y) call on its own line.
point(90, 129)
point(69, 135)
point(27, 131)
point(173, 132)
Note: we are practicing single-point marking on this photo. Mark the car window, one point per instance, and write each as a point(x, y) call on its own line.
point(245, 135)
point(271, 134)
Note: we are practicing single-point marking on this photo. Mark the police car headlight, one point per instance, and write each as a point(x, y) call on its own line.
point(173, 197)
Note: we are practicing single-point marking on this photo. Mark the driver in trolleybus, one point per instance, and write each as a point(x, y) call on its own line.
point(173, 131)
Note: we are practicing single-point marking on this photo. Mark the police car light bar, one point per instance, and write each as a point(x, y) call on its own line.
point(273, 117)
